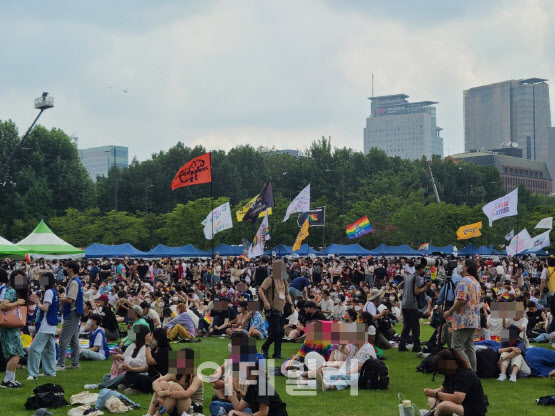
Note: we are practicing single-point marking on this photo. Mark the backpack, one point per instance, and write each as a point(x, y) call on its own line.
point(50, 396)
point(486, 363)
point(374, 375)
point(427, 366)
point(546, 401)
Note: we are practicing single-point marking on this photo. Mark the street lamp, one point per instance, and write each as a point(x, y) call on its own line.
point(342, 183)
point(115, 179)
point(42, 103)
point(146, 196)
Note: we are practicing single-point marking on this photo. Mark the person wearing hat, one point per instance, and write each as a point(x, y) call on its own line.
point(374, 300)
point(512, 355)
point(134, 313)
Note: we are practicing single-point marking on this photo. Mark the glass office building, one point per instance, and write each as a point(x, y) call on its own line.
point(99, 160)
point(403, 129)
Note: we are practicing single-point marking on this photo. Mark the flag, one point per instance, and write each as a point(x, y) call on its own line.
point(194, 172)
point(359, 228)
point(510, 236)
point(519, 243)
point(218, 220)
point(301, 203)
point(241, 213)
point(469, 231)
point(263, 201)
point(425, 246)
point(540, 241)
point(545, 223)
point(316, 217)
point(506, 206)
point(303, 233)
point(257, 246)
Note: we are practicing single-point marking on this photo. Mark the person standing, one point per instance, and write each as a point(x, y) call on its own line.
point(466, 312)
point(547, 279)
point(274, 294)
point(412, 286)
point(43, 348)
point(72, 310)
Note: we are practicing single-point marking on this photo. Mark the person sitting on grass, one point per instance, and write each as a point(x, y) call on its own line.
point(461, 392)
point(134, 314)
point(513, 354)
point(98, 345)
point(255, 325)
point(178, 391)
point(182, 326)
point(241, 320)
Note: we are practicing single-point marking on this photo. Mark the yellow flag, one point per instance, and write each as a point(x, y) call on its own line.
point(303, 233)
point(469, 231)
point(241, 213)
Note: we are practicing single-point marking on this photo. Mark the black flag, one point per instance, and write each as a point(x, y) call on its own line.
point(264, 201)
point(316, 217)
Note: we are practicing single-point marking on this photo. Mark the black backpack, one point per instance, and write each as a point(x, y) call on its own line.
point(427, 366)
point(49, 396)
point(486, 363)
point(373, 375)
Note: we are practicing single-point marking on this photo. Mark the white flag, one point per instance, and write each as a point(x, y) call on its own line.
point(506, 206)
point(257, 246)
point(545, 223)
point(540, 241)
point(218, 220)
point(301, 203)
point(510, 236)
point(519, 243)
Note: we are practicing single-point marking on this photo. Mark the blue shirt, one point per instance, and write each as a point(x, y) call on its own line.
point(300, 283)
point(456, 278)
point(520, 345)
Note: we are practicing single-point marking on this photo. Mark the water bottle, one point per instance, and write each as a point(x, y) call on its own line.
point(407, 409)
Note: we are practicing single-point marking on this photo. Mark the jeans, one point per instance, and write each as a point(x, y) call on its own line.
point(463, 342)
point(410, 324)
point(90, 355)
point(275, 332)
point(343, 381)
point(70, 336)
point(218, 408)
point(293, 293)
point(369, 278)
point(111, 384)
point(42, 349)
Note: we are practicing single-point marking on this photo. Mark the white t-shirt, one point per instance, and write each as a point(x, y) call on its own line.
point(359, 357)
point(98, 343)
point(154, 315)
point(45, 328)
point(293, 319)
point(326, 305)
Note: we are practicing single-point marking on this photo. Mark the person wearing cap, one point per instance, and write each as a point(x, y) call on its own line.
point(512, 356)
point(134, 314)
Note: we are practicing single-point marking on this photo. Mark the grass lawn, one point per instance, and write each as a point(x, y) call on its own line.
point(504, 397)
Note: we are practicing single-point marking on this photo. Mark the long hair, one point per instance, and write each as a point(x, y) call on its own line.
point(188, 377)
point(51, 280)
point(161, 337)
point(139, 340)
point(471, 267)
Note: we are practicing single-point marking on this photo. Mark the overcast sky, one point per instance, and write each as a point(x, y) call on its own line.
point(273, 73)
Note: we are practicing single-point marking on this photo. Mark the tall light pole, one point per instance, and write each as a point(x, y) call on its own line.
point(115, 178)
point(342, 184)
point(147, 187)
point(42, 103)
point(427, 162)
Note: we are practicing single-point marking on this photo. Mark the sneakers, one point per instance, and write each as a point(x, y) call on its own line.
point(91, 386)
point(502, 377)
point(31, 378)
point(320, 383)
point(512, 378)
point(58, 368)
point(10, 385)
point(74, 367)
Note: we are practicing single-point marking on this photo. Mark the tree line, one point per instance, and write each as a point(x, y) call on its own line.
point(47, 181)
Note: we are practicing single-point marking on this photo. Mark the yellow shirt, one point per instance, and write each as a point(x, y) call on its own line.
point(550, 277)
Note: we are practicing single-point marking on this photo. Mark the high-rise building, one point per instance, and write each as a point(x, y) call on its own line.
point(403, 129)
point(512, 113)
point(99, 160)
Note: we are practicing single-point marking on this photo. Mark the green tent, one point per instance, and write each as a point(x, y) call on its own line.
point(43, 241)
point(7, 248)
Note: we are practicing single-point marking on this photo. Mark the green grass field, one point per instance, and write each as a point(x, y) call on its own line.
point(504, 397)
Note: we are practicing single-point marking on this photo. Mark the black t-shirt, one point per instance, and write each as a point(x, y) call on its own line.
point(466, 381)
point(318, 316)
point(261, 273)
point(533, 318)
point(142, 270)
point(161, 366)
point(263, 392)
point(109, 320)
point(105, 271)
point(380, 273)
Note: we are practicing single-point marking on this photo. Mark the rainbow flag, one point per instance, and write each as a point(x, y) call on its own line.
point(359, 228)
point(424, 246)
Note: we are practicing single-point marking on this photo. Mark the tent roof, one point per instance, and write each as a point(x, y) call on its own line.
point(434, 249)
point(481, 251)
point(346, 250)
point(43, 241)
point(283, 250)
point(191, 251)
point(121, 250)
point(9, 248)
point(402, 250)
point(225, 250)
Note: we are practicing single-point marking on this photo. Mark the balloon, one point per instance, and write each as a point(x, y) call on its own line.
point(314, 361)
point(29, 258)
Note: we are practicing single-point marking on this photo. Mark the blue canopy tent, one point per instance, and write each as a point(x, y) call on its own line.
point(434, 249)
point(225, 250)
point(191, 251)
point(161, 251)
point(346, 250)
point(402, 250)
point(541, 253)
point(283, 250)
point(472, 250)
point(96, 251)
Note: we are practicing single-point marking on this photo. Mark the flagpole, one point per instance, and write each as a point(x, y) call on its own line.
point(212, 204)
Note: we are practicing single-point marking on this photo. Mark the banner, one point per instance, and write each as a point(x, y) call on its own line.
point(359, 228)
point(519, 243)
point(303, 233)
point(510, 236)
point(241, 213)
point(263, 201)
point(194, 172)
point(545, 223)
point(301, 203)
point(424, 246)
point(262, 235)
point(469, 231)
point(506, 206)
point(218, 220)
point(540, 241)
point(316, 217)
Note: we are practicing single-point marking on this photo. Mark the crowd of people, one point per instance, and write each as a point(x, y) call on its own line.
point(143, 305)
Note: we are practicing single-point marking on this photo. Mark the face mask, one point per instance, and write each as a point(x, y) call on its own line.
point(392, 298)
point(358, 293)
point(175, 298)
point(239, 310)
point(357, 308)
point(153, 344)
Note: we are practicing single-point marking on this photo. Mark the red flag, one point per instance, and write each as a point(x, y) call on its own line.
point(195, 171)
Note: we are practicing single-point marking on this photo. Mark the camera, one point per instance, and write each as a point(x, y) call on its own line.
point(449, 264)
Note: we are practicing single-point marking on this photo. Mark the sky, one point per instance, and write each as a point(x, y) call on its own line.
point(281, 74)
